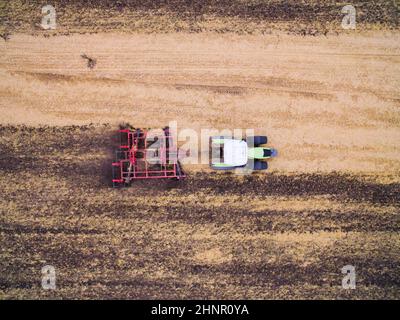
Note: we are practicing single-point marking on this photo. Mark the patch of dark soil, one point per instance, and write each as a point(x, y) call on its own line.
point(311, 10)
point(308, 17)
point(22, 229)
point(340, 185)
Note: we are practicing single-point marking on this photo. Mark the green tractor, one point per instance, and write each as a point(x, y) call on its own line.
point(228, 153)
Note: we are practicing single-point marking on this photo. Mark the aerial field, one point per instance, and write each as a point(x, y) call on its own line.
point(327, 98)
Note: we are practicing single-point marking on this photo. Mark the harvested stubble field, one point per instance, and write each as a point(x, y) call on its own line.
point(328, 99)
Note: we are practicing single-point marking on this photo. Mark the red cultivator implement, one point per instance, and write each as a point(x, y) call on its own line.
point(145, 155)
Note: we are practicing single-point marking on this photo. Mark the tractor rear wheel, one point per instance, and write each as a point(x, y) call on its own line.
point(259, 165)
point(256, 140)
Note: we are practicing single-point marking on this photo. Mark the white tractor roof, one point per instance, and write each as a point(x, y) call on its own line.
point(235, 152)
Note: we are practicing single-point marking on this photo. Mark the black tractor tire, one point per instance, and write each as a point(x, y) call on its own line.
point(258, 165)
point(256, 140)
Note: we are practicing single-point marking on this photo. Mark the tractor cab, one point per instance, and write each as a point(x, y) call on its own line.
point(235, 152)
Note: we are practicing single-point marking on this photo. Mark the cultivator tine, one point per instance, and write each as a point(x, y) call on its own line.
point(179, 171)
point(116, 175)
